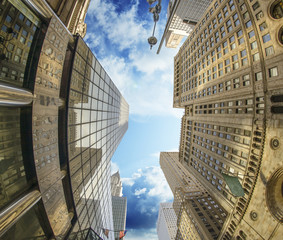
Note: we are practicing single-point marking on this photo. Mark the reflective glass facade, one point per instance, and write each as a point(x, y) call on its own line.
point(17, 31)
point(97, 120)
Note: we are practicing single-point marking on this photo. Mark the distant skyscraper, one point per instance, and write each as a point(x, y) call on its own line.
point(61, 119)
point(199, 216)
point(182, 16)
point(167, 222)
point(228, 78)
point(116, 185)
point(119, 208)
point(119, 205)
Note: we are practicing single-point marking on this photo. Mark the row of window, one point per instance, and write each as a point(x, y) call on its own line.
point(222, 68)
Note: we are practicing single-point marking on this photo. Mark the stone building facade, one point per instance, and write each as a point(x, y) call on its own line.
point(199, 215)
point(167, 222)
point(228, 78)
point(72, 13)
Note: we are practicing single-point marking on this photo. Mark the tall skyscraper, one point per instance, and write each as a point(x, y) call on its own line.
point(182, 16)
point(61, 120)
point(199, 215)
point(119, 205)
point(166, 222)
point(116, 185)
point(228, 78)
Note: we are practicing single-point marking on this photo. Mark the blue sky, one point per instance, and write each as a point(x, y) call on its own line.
point(117, 32)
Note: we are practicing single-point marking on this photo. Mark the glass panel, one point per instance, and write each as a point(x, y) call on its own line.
point(13, 180)
point(14, 33)
point(98, 113)
point(28, 227)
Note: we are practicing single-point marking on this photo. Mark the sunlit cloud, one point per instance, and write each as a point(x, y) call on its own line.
point(148, 177)
point(142, 234)
point(144, 78)
point(123, 28)
point(140, 191)
point(114, 168)
point(144, 195)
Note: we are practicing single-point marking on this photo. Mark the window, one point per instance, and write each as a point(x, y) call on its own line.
point(256, 57)
point(251, 34)
point(232, 39)
point(228, 85)
point(220, 87)
point(269, 51)
point(17, 27)
point(255, 6)
point(21, 17)
point(235, 58)
point(28, 23)
point(254, 45)
point(8, 19)
point(246, 80)
point(243, 53)
point(248, 24)
point(244, 61)
point(273, 72)
point(241, 41)
point(246, 15)
point(236, 83)
point(240, 33)
point(266, 38)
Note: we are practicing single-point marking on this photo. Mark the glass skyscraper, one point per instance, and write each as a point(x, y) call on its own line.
point(61, 119)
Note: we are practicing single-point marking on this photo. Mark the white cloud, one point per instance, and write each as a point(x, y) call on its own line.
point(154, 180)
point(142, 234)
point(125, 28)
point(147, 94)
point(140, 191)
point(114, 167)
point(144, 78)
point(160, 186)
point(128, 181)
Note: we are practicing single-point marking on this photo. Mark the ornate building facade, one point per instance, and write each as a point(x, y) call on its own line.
point(61, 119)
point(199, 215)
point(72, 13)
point(228, 78)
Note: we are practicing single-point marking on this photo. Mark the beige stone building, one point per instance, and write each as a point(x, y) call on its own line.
point(72, 13)
point(199, 215)
point(228, 78)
